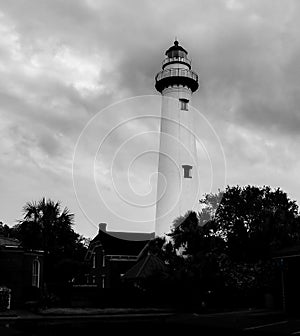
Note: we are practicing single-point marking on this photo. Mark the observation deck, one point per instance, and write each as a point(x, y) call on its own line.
point(176, 70)
point(176, 76)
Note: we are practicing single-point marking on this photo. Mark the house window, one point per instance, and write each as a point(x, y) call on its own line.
point(184, 104)
point(87, 278)
point(103, 281)
point(94, 260)
point(103, 259)
point(36, 273)
point(94, 279)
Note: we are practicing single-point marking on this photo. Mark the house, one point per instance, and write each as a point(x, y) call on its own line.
point(287, 261)
point(21, 271)
point(111, 254)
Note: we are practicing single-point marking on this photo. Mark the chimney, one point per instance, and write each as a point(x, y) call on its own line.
point(102, 227)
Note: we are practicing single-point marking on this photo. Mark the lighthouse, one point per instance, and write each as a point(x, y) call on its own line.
point(178, 181)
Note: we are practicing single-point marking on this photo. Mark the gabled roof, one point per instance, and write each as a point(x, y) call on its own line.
point(9, 242)
point(121, 243)
point(146, 267)
point(287, 252)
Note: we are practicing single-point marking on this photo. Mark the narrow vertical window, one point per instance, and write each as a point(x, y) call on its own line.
point(36, 273)
point(103, 281)
point(94, 260)
point(103, 258)
point(184, 104)
point(93, 279)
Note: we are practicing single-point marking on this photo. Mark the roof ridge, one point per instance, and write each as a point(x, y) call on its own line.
point(144, 263)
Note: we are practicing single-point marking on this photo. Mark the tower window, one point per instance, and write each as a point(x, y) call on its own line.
point(187, 171)
point(184, 104)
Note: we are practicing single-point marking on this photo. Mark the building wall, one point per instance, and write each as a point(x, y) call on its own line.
point(106, 271)
point(16, 274)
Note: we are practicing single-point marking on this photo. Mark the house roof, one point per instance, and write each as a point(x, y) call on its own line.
point(122, 243)
point(287, 252)
point(146, 267)
point(9, 242)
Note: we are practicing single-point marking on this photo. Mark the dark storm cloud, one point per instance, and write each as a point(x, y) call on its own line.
point(63, 61)
point(245, 48)
point(250, 68)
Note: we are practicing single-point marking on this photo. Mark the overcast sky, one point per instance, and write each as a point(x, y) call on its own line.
point(61, 62)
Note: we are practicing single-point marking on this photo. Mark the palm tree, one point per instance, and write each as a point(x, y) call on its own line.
point(43, 223)
point(47, 227)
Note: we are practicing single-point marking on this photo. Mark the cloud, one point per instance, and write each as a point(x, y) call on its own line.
point(63, 61)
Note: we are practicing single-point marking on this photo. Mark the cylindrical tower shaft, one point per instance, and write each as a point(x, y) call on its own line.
point(177, 186)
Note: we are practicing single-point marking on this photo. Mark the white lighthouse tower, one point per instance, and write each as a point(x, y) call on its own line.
point(178, 182)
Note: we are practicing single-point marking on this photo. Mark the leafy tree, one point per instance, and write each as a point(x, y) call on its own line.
point(191, 255)
point(5, 230)
point(254, 221)
point(229, 244)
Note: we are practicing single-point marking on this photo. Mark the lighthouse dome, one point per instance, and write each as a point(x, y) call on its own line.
point(176, 51)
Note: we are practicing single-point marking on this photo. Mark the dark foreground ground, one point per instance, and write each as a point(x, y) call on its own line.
point(156, 322)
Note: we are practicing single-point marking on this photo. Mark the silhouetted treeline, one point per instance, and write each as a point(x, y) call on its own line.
point(223, 255)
